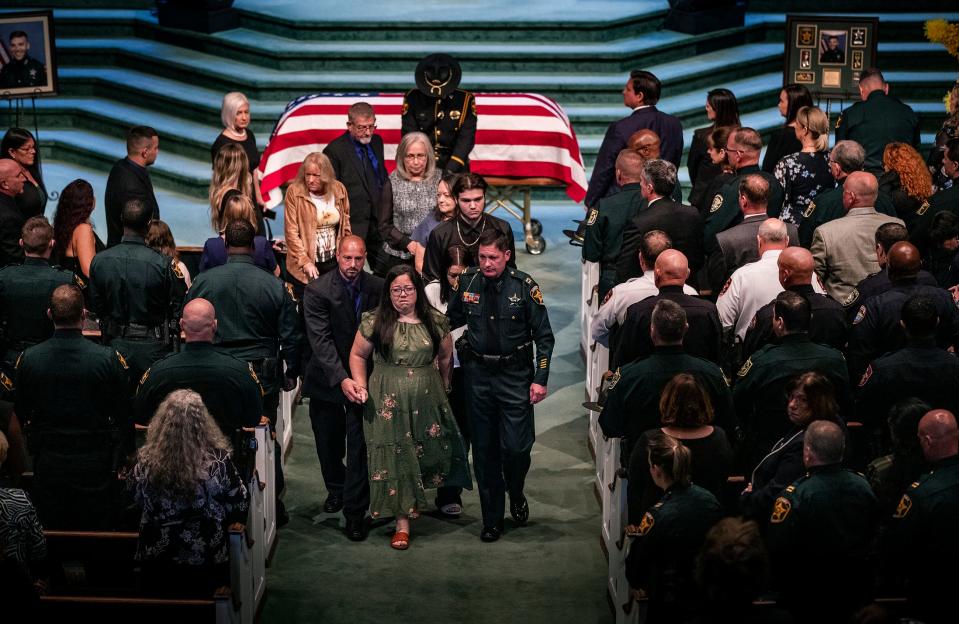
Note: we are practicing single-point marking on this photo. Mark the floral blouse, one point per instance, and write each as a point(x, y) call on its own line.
point(803, 175)
point(190, 531)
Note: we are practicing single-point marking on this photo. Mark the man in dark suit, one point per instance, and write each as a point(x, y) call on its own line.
point(358, 161)
point(333, 305)
point(11, 221)
point(737, 246)
point(682, 223)
point(129, 179)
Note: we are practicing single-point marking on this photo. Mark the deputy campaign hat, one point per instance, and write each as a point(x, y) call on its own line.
point(438, 75)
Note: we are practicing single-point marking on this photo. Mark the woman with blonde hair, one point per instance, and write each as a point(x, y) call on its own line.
point(907, 180)
point(805, 174)
point(409, 196)
point(189, 492)
point(231, 176)
point(237, 207)
point(235, 114)
point(317, 216)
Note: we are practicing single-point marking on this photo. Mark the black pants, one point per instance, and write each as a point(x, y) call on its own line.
point(338, 432)
point(501, 432)
point(448, 495)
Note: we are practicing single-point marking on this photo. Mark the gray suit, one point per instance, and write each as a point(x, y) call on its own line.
point(845, 250)
point(737, 246)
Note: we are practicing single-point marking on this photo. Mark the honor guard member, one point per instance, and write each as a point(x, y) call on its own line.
point(504, 314)
point(228, 386)
point(25, 291)
point(441, 111)
point(73, 398)
point(820, 532)
point(21, 70)
point(923, 527)
point(136, 293)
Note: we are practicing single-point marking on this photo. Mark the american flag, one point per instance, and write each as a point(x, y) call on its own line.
point(520, 135)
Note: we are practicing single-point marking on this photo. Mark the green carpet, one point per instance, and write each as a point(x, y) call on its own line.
point(549, 571)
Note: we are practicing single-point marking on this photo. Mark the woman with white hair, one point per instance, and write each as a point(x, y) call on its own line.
point(235, 114)
point(409, 196)
point(806, 173)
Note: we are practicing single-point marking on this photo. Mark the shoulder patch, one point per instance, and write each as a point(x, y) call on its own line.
point(593, 214)
point(860, 315)
point(809, 210)
point(646, 525)
point(866, 376)
point(745, 368)
point(6, 382)
point(781, 509)
point(176, 269)
point(537, 295)
point(289, 289)
point(902, 509)
point(923, 208)
point(717, 203)
point(850, 298)
point(123, 361)
point(726, 286)
point(79, 282)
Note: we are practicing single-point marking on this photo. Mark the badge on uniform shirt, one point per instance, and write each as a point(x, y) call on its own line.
point(781, 509)
point(866, 376)
point(851, 298)
point(123, 362)
point(860, 315)
point(923, 208)
point(726, 286)
point(646, 525)
point(902, 509)
point(470, 297)
point(745, 369)
point(514, 300)
point(536, 295)
point(717, 203)
point(591, 219)
point(811, 209)
point(454, 114)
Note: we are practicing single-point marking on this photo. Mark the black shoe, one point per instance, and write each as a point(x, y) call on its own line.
point(282, 518)
point(519, 509)
point(357, 529)
point(333, 503)
point(492, 533)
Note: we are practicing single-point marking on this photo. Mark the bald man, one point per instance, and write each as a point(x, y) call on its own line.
point(228, 386)
point(844, 248)
point(828, 324)
point(333, 304)
point(876, 328)
point(703, 337)
point(923, 527)
point(11, 219)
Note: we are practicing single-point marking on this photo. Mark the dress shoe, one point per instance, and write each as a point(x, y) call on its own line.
point(333, 503)
point(357, 529)
point(492, 533)
point(519, 509)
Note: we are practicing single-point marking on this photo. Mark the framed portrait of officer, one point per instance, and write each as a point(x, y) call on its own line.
point(28, 66)
point(828, 53)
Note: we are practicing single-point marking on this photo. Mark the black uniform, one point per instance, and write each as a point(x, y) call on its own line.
point(875, 122)
point(462, 234)
point(73, 397)
point(504, 316)
point(827, 206)
point(27, 72)
point(449, 122)
point(724, 210)
point(827, 326)
point(136, 293)
point(876, 284)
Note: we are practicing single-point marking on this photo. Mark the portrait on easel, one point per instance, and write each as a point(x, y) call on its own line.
point(28, 65)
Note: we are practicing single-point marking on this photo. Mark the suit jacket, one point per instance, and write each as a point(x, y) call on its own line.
point(11, 224)
point(682, 223)
point(361, 191)
point(331, 325)
point(736, 247)
point(669, 129)
point(127, 181)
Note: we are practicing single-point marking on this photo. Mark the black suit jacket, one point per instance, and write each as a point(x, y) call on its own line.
point(11, 224)
point(127, 181)
point(682, 223)
point(349, 171)
point(331, 325)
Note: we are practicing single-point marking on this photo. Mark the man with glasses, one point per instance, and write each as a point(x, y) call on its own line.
point(465, 229)
point(12, 180)
point(743, 148)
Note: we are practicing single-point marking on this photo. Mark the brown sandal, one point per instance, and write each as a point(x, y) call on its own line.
point(401, 540)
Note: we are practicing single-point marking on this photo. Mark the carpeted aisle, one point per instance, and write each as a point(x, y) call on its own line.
point(550, 571)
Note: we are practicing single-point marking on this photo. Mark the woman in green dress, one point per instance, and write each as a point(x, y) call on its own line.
point(412, 442)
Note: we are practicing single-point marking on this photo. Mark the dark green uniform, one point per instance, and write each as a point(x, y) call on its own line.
point(73, 397)
point(449, 122)
point(923, 534)
point(28, 72)
point(944, 200)
point(605, 225)
point(827, 206)
point(759, 389)
point(660, 559)
point(228, 386)
point(24, 298)
point(724, 210)
point(874, 123)
point(136, 293)
point(819, 536)
point(504, 317)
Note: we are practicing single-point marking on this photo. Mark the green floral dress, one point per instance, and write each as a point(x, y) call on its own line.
point(412, 441)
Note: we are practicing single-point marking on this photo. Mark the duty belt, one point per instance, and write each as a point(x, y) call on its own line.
point(522, 355)
point(135, 330)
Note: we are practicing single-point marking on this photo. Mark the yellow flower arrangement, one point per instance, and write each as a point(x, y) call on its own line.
point(941, 31)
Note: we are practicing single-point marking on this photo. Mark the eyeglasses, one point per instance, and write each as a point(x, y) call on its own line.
point(415, 157)
point(367, 128)
point(403, 290)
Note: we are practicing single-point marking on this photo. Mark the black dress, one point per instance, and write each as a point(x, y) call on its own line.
point(248, 145)
point(32, 201)
point(72, 263)
point(782, 142)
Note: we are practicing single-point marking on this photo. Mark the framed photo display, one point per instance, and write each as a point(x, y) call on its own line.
point(28, 65)
point(828, 53)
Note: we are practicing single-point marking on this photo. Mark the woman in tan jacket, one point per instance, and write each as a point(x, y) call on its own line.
point(316, 217)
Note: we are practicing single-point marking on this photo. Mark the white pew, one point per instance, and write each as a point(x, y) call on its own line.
point(266, 469)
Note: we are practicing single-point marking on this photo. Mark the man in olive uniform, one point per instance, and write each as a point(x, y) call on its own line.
point(877, 120)
point(228, 386)
point(136, 293)
point(73, 398)
point(441, 111)
point(21, 70)
point(943, 200)
point(923, 528)
point(743, 147)
point(505, 315)
point(606, 222)
point(25, 291)
point(821, 531)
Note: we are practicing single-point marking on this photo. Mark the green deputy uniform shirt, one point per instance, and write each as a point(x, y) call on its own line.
point(605, 225)
point(724, 211)
point(827, 206)
point(24, 298)
point(875, 122)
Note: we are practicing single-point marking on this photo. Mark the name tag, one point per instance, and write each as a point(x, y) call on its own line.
point(469, 297)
